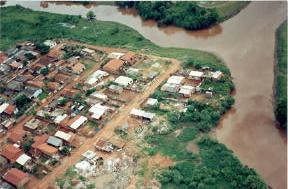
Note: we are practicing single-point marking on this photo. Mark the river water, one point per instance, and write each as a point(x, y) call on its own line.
point(246, 44)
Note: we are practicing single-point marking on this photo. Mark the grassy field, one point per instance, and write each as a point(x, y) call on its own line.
point(225, 9)
point(19, 24)
point(281, 75)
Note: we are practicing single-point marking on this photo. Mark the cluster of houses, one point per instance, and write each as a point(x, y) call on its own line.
point(47, 134)
point(179, 84)
point(50, 132)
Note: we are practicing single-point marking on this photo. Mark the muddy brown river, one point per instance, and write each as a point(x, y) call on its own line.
point(246, 44)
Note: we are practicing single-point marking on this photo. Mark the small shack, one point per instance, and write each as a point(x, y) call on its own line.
point(142, 114)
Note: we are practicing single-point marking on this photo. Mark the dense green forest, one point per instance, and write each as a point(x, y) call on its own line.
point(281, 75)
point(183, 14)
point(217, 167)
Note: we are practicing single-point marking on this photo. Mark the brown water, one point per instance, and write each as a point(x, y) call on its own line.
point(246, 44)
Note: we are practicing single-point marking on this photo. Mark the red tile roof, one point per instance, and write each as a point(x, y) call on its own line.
point(46, 149)
point(10, 109)
point(11, 152)
point(38, 140)
point(128, 57)
point(39, 84)
point(15, 177)
point(3, 57)
point(53, 85)
point(113, 65)
point(16, 136)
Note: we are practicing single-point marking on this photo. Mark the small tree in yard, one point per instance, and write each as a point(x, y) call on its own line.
point(21, 101)
point(44, 71)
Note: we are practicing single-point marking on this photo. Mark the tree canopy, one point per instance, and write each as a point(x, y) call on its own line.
point(183, 14)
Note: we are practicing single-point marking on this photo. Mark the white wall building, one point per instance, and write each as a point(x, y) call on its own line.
point(123, 81)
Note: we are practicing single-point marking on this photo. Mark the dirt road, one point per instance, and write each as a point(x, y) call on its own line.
point(107, 132)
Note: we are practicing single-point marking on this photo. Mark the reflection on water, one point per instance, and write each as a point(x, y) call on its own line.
point(246, 44)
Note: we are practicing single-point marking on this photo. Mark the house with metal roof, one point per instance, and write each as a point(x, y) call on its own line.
point(16, 177)
point(54, 141)
point(142, 114)
point(187, 90)
point(115, 89)
point(77, 122)
point(197, 75)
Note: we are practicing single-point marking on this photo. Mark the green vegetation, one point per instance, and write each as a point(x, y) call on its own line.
point(27, 145)
point(90, 91)
point(225, 9)
point(281, 75)
point(44, 71)
point(42, 96)
point(22, 101)
point(218, 169)
point(90, 15)
point(44, 49)
point(72, 50)
point(187, 14)
point(62, 101)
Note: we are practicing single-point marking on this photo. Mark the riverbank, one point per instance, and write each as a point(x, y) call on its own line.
point(187, 15)
point(30, 27)
point(281, 75)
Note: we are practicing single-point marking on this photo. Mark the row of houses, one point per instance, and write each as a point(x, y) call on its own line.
point(176, 83)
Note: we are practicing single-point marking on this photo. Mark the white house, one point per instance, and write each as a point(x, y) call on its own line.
point(115, 55)
point(152, 102)
point(98, 111)
point(88, 51)
point(175, 80)
point(77, 122)
point(216, 75)
point(99, 96)
point(3, 107)
point(142, 114)
point(187, 90)
point(196, 75)
point(23, 159)
point(97, 76)
point(50, 43)
point(64, 136)
point(123, 81)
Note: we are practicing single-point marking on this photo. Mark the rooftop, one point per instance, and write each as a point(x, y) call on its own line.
point(141, 113)
point(175, 79)
point(47, 149)
point(32, 123)
point(65, 136)
point(23, 159)
point(15, 176)
point(196, 74)
point(54, 141)
point(11, 152)
point(113, 65)
point(98, 110)
point(77, 121)
point(123, 81)
point(115, 55)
